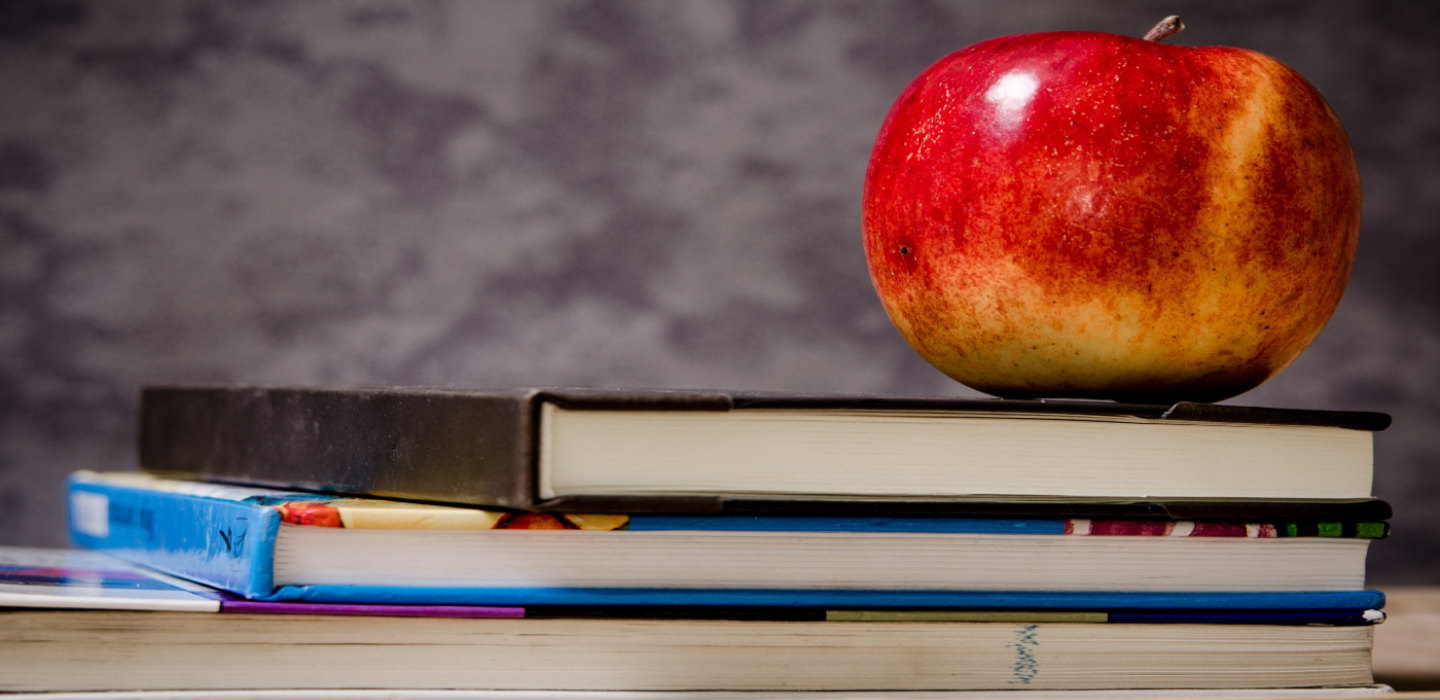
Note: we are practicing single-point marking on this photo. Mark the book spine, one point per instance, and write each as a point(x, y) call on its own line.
point(452, 447)
point(225, 544)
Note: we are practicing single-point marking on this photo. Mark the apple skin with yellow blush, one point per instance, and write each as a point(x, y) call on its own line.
point(1087, 215)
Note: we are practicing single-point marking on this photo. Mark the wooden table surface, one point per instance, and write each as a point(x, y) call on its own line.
point(1407, 645)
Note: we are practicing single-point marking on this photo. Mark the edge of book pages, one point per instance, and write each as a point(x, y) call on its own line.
point(826, 453)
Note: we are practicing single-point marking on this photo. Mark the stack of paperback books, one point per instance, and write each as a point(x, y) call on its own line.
point(609, 540)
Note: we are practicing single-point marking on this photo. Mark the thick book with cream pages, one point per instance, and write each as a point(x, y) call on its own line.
point(105, 650)
point(698, 451)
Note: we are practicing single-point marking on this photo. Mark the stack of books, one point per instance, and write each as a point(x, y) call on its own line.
point(610, 540)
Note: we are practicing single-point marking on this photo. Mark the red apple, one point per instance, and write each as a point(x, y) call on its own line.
point(1076, 214)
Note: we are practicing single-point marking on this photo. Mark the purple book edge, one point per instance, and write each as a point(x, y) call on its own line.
point(469, 611)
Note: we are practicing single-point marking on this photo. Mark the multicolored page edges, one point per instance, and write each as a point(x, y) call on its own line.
point(363, 513)
point(369, 514)
point(1161, 528)
point(372, 514)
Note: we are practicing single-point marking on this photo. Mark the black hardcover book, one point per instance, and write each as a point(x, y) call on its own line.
point(580, 450)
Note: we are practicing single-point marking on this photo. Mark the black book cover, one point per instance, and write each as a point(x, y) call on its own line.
point(479, 447)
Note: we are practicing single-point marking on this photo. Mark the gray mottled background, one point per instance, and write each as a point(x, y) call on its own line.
point(574, 193)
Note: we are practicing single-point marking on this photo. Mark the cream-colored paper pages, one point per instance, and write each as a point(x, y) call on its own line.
point(935, 454)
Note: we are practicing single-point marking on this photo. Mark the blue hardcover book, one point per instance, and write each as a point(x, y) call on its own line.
point(71, 578)
point(283, 545)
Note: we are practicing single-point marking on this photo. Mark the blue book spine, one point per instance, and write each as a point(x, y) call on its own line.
point(832, 598)
point(226, 544)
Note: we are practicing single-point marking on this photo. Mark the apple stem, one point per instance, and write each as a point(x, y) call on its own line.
point(1167, 27)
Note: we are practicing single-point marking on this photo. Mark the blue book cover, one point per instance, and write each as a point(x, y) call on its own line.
point(225, 542)
point(225, 536)
point(970, 600)
point(68, 578)
point(79, 579)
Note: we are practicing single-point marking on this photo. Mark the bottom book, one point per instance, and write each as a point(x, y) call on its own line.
point(77, 650)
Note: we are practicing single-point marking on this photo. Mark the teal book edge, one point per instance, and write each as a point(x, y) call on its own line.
point(832, 598)
point(230, 545)
point(226, 544)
